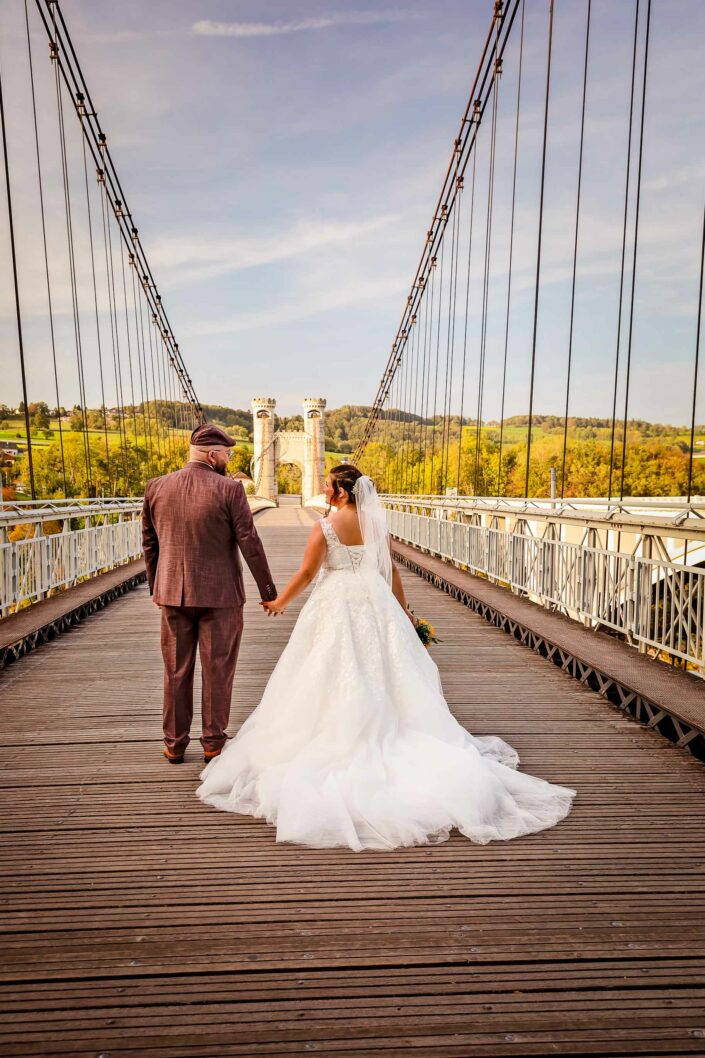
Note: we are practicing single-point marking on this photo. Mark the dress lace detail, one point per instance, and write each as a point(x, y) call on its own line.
point(340, 556)
point(381, 761)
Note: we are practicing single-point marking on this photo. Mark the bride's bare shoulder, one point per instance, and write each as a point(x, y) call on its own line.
point(347, 526)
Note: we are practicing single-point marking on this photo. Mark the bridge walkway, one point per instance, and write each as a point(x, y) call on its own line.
point(140, 923)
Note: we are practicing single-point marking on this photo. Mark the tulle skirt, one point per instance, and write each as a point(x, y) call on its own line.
point(353, 743)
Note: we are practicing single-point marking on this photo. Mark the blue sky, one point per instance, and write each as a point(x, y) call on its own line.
point(282, 161)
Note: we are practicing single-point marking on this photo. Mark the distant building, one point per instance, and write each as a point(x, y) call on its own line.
point(10, 448)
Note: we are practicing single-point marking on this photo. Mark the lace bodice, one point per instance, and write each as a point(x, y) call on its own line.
point(340, 556)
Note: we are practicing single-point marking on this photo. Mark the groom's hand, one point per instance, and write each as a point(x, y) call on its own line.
point(271, 607)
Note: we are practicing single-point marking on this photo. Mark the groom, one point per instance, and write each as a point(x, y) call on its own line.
point(194, 522)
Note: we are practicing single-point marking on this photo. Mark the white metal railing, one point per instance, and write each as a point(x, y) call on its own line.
point(656, 603)
point(93, 536)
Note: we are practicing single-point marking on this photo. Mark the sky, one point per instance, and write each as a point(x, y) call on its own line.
point(283, 159)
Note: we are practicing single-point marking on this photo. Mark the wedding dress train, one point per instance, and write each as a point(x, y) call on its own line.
point(379, 761)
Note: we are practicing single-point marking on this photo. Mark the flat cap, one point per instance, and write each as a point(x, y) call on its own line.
point(207, 434)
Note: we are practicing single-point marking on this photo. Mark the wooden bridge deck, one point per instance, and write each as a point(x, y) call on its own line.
point(140, 923)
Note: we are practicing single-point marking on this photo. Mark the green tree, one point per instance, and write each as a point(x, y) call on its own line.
point(77, 421)
point(39, 413)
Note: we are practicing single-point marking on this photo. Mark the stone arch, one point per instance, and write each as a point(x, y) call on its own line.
point(303, 448)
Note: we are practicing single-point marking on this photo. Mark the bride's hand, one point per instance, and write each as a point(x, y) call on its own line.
point(272, 607)
point(411, 617)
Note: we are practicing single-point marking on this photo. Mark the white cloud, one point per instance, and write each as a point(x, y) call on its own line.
point(208, 28)
point(195, 258)
point(326, 299)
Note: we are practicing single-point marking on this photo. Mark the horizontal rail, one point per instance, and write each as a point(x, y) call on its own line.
point(674, 515)
point(25, 512)
point(655, 604)
point(33, 567)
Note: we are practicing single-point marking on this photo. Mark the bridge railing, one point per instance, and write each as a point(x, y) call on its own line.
point(653, 600)
point(60, 543)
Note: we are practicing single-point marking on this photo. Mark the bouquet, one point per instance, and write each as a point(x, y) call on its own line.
point(425, 631)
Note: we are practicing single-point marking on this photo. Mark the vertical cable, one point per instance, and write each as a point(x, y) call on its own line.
point(167, 408)
point(95, 304)
point(20, 340)
point(417, 419)
point(432, 276)
point(413, 372)
point(636, 246)
point(121, 405)
point(538, 248)
point(157, 431)
point(394, 385)
point(437, 357)
point(129, 343)
point(624, 247)
point(575, 249)
point(486, 279)
point(403, 370)
point(511, 253)
point(113, 318)
point(450, 343)
point(46, 255)
point(141, 361)
point(696, 363)
point(72, 267)
point(467, 308)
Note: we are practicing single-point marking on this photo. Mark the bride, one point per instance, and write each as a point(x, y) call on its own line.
point(353, 743)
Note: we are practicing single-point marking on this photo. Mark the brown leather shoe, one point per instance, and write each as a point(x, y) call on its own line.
point(211, 755)
point(173, 758)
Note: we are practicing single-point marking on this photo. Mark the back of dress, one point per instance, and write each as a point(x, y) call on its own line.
point(340, 556)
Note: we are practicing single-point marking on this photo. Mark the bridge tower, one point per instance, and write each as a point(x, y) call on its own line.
point(264, 469)
point(315, 453)
point(304, 448)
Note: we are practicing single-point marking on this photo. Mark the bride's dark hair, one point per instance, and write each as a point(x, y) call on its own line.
point(344, 477)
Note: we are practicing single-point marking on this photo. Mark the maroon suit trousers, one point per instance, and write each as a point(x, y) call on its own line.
point(216, 632)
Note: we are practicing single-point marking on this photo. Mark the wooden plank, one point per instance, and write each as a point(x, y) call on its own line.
point(40, 622)
point(138, 922)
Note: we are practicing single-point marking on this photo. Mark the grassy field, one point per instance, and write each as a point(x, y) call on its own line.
point(15, 431)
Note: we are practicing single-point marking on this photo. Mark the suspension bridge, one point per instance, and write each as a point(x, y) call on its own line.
point(572, 620)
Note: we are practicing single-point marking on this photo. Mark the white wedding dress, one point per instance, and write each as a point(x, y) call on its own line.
point(379, 761)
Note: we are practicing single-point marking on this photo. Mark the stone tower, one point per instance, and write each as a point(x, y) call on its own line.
point(302, 448)
point(315, 462)
point(264, 469)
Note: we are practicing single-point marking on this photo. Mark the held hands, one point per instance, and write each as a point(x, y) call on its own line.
point(272, 607)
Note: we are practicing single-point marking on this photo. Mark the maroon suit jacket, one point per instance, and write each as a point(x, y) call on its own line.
point(194, 524)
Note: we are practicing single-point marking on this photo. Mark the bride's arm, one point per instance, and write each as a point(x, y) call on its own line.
point(398, 592)
point(310, 564)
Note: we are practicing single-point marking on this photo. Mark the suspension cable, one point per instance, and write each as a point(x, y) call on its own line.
point(467, 308)
point(696, 363)
point(97, 317)
point(72, 272)
point(575, 249)
point(486, 281)
point(46, 252)
point(20, 340)
point(479, 94)
point(511, 252)
point(636, 246)
point(620, 301)
point(538, 248)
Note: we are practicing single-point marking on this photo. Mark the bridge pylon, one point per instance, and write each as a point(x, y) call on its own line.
point(304, 449)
